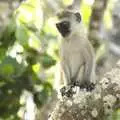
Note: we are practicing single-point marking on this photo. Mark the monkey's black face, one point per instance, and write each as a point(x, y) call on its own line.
point(64, 28)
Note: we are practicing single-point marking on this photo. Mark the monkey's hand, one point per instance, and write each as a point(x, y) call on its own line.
point(67, 91)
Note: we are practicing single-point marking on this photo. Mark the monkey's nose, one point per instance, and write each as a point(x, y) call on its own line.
point(57, 25)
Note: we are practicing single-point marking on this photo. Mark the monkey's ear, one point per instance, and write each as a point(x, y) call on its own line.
point(78, 16)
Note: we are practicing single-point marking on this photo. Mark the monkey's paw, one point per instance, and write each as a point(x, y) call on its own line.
point(88, 86)
point(67, 91)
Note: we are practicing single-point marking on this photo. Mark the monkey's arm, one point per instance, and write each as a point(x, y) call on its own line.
point(66, 73)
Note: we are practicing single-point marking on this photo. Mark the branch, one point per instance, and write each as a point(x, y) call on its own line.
point(75, 5)
point(96, 30)
point(114, 32)
point(7, 8)
point(96, 19)
point(51, 7)
point(95, 105)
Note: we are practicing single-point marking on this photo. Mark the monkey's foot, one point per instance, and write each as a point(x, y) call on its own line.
point(67, 91)
point(87, 86)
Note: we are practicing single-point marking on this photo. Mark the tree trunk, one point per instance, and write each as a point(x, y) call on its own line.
point(96, 20)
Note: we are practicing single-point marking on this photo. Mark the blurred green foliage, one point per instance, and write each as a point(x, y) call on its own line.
point(24, 59)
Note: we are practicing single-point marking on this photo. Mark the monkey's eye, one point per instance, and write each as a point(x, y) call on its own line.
point(78, 16)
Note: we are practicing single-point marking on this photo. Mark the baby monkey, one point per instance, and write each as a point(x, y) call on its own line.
point(77, 55)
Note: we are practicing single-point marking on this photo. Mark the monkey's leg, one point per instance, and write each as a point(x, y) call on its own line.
point(87, 77)
point(66, 73)
point(67, 89)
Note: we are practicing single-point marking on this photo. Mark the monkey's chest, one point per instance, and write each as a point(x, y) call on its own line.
point(70, 50)
point(72, 58)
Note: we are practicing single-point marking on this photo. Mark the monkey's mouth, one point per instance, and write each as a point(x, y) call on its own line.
point(63, 28)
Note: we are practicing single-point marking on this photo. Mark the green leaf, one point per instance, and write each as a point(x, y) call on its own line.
point(47, 61)
point(7, 69)
point(2, 53)
point(22, 35)
point(9, 66)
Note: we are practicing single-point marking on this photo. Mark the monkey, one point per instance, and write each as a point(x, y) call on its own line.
point(76, 52)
